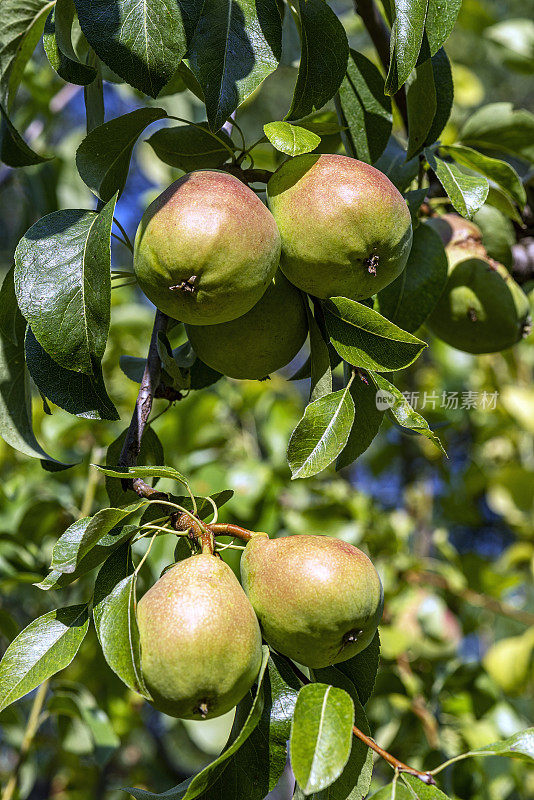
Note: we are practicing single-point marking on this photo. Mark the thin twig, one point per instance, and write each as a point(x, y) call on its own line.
point(127, 239)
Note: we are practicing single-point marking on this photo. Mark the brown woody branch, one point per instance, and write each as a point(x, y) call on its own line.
point(379, 34)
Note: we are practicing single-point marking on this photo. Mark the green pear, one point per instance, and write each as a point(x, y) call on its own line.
point(509, 662)
point(482, 309)
point(319, 600)
point(206, 249)
point(345, 228)
point(261, 341)
point(200, 639)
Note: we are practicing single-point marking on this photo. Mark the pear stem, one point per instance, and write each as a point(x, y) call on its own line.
point(228, 529)
point(397, 765)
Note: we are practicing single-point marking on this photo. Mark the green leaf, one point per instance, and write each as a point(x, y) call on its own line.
point(151, 453)
point(440, 20)
point(45, 647)
point(291, 139)
point(467, 193)
point(323, 58)
point(236, 44)
point(321, 434)
point(115, 620)
point(414, 199)
point(406, 40)
point(355, 780)
point(143, 472)
point(103, 158)
point(367, 420)
point(80, 703)
point(364, 338)
point(21, 26)
point(502, 202)
point(441, 67)
point(15, 397)
point(394, 791)
point(320, 367)
point(83, 395)
point(393, 163)
point(499, 127)
point(85, 533)
point(364, 110)
point(420, 790)
point(13, 149)
point(240, 733)
point(402, 411)
point(362, 669)
point(63, 284)
point(93, 558)
point(321, 735)
point(142, 42)
point(191, 147)
point(496, 170)
point(520, 745)
point(411, 297)
point(421, 104)
point(58, 46)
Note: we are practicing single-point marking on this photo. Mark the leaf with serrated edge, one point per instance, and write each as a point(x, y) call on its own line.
point(496, 170)
point(321, 434)
point(45, 647)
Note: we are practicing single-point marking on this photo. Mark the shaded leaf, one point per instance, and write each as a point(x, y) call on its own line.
point(320, 367)
point(440, 20)
point(321, 434)
point(142, 42)
point(406, 39)
point(58, 46)
point(362, 669)
point(191, 147)
point(236, 44)
point(323, 58)
point(393, 163)
point(441, 67)
point(46, 646)
point(421, 104)
point(467, 193)
point(498, 126)
point(63, 284)
point(13, 149)
point(411, 297)
point(364, 338)
point(367, 420)
point(364, 109)
point(151, 453)
point(21, 26)
point(496, 170)
point(83, 395)
point(321, 735)
point(291, 139)
point(103, 158)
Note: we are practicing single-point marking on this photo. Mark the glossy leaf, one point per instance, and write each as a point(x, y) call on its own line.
point(115, 619)
point(393, 400)
point(103, 158)
point(323, 59)
point(367, 420)
point(142, 42)
point(498, 126)
point(45, 647)
point(321, 434)
point(236, 44)
point(83, 395)
point(21, 26)
point(422, 791)
point(191, 147)
point(406, 38)
point(496, 170)
point(466, 192)
point(364, 338)
point(520, 745)
point(321, 735)
point(58, 46)
point(63, 284)
point(13, 149)
point(411, 297)
point(421, 104)
point(440, 20)
point(291, 139)
point(364, 110)
point(362, 669)
point(202, 781)
point(441, 67)
point(85, 533)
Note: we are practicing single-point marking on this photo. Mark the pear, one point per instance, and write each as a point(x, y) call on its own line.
point(319, 600)
point(346, 230)
point(263, 340)
point(206, 249)
point(454, 229)
point(200, 639)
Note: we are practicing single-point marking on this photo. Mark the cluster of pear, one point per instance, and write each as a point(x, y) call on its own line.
point(315, 599)
point(482, 309)
point(209, 253)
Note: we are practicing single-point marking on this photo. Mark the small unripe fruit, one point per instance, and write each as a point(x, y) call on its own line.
point(206, 249)
point(319, 600)
point(200, 639)
point(346, 230)
point(263, 340)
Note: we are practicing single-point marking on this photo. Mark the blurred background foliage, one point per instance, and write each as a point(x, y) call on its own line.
point(452, 538)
